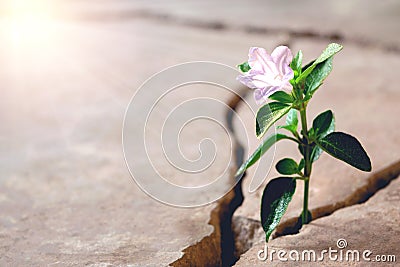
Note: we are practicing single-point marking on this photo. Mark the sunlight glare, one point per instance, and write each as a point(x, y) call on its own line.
point(28, 22)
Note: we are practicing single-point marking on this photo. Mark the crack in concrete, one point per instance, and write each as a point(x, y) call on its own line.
point(225, 26)
point(218, 249)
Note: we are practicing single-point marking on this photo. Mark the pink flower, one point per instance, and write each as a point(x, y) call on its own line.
point(268, 73)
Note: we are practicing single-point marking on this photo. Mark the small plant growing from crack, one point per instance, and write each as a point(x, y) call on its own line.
point(284, 87)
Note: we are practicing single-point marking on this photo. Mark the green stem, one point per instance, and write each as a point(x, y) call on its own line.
point(307, 164)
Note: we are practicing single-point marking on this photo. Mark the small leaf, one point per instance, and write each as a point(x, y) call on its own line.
point(290, 128)
point(287, 166)
point(267, 144)
point(244, 67)
point(291, 118)
point(291, 122)
point(282, 97)
point(322, 131)
point(322, 122)
point(276, 197)
point(346, 148)
point(297, 61)
point(268, 114)
point(316, 153)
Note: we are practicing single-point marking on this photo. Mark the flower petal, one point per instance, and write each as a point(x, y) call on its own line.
point(288, 73)
point(282, 56)
point(262, 81)
point(287, 87)
point(246, 80)
point(261, 95)
point(268, 73)
point(260, 60)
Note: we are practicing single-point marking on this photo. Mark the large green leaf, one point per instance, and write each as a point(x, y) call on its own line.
point(268, 114)
point(276, 197)
point(261, 149)
point(317, 76)
point(346, 148)
point(329, 52)
point(287, 166)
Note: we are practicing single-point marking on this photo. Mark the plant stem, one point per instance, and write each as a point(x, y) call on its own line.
point(307, 163)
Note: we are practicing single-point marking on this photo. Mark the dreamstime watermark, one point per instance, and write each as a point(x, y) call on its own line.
point(178, 139)
point(340, 253)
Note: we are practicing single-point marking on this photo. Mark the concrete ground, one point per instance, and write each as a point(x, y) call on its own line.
point(68, 71)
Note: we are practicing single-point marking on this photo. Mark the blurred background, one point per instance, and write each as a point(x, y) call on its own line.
point(68, 70)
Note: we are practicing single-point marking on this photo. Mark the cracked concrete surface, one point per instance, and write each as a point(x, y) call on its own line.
point(372, 226)
point(65, 195)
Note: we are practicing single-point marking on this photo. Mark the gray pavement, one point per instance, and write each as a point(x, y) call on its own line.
point(66, 196)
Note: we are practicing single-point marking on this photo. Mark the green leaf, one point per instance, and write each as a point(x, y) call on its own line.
point(267, 144)
point(301, 165)
point(291, 122)
point(276, 197)
point(322, 122)
point(287, 166)
point(315, 153)
point(317, 76)
point(297, 61)
point(309, 64)
point(329, 52)
point(321, 130)
point(346, 148)
point(282, 97)
point(268, 114)
point(290, 128)
point(244, 67)
point(291, 118)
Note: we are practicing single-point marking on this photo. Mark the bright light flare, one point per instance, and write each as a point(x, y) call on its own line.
point(28, 22)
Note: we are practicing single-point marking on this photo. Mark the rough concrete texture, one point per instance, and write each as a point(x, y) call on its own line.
point(65, 194)
point(372, 226)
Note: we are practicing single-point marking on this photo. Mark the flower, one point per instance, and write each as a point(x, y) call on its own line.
point(268, 73)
